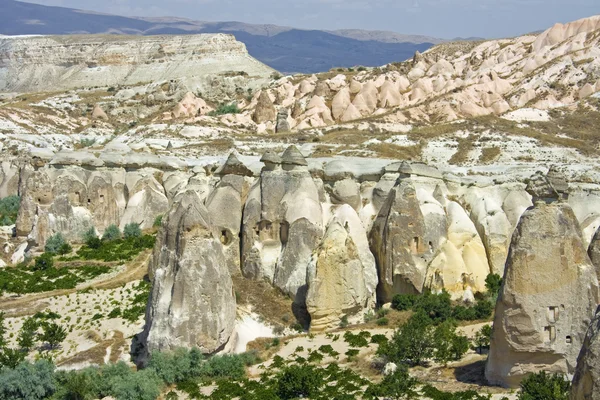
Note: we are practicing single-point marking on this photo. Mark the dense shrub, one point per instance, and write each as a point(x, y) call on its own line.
point(53, 335)
point(482, 339)
point(111, 233)
point(44, 262)
point(398, 385)
point(403, 302)
point(116, 250)
point(158, 221)
point(493, 283)
point(28, 381)
point(223, 109)
point(55, 243)
point(132, 230)
point(542, 386)
point(9, 208)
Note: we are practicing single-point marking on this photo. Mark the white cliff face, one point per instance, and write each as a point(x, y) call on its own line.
point(68, 62)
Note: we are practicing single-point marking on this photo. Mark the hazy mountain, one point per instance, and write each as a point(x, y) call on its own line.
point(283, 48)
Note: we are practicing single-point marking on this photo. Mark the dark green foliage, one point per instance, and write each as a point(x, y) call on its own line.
point(116, 250)
point(28, 334)
point(542, 386)
point(413, 343)
point(53, 335)
point(43, 262)
point(89, 237)
point(28, 381)
point(379, 339)
point(78, 385)
point(398, 385)
point(55, 243)
point(10, 358)
point(132, 230)
point(299, 381)
point(2, 330)
point(404, 302)
point(449, 346)
point(111, 233)
point(483, 309)
point(158, 221)
point(493, 283)
point(382, 321)
point(87, 142)
point(437, 306)
point(432, 393)
point(344, 321)
point(483, 338)
point(65, 249)
point(357, 340)
point(223, 109)
point(43, 277)
point(137, 307)
point(9, 208)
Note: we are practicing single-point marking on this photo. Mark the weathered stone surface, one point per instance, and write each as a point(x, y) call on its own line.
point(594, 251)
point(539, 323)
point(265, 110)
point(282, 121)
point(282, 225)
point(233, 166)
point(340, 281)
point(540, 188)
point(396, 240)
point(347, 191)
point(192, 302)
point(586, 381)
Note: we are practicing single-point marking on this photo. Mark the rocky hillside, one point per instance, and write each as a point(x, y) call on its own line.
point(59, 63)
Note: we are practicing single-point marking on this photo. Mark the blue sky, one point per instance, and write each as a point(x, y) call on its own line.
point(439, 18)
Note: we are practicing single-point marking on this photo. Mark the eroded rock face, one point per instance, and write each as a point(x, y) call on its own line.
point(539, 323)
point(594, 251)
point(586, 382)
point(192, 302)
point(342, 276)
point(397, 241)
point(282, 226)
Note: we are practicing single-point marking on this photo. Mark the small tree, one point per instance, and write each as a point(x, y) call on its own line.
point(91, 239)
point(10, 358)
point(44, 262)
point(449, 346)
point(111, 233)
point(28, 381)
point(55, 243)
point(132, 230)
point(28, 334)
point(398, 385)
point(413, 343)
point(53, 335)
point(543, 386)
point(483, 338)
point(493, 283)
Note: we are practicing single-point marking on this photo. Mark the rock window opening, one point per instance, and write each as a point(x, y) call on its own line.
point(552, 314)
point(101, 198)
point(284, 229)
point(549, 333)
point(431, 246)
point(414, 245)
point(225, 237)
point(569, 340)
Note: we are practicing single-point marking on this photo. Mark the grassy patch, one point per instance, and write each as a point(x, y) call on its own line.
point(114, 250)
point(24, 279)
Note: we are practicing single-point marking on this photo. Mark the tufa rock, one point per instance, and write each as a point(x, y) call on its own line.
point(192, 302)
point(539, 323)
point(292, 157)
point(594, 251)
point(233, 166)
point(540, 188)
point(265, 110)
point(282, 121)
point(98, 113)
point(586, 382)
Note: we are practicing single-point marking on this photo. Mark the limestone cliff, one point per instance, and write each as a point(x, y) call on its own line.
point(51, 63)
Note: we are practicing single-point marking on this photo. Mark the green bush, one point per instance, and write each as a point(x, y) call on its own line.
point(430, 392)
point(403, 302)
point(437, 306)
point(413, 343)
point(44, 262)
point(111, 233)
point(482, 339)
point(132, 230)
point(10, 358)
point(28, 381)
point(9, 208)
point(65, 249)
point(158, 221)
point(223, 109)
point(398, 385)
point(55, 243)
point(382, 321)
point(298, 381)
point(116, 250)
point(448, 345)
point(493, 283)
point(53, 335)
point(542, 386)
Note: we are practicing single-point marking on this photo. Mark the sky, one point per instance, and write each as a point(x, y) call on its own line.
point(438, 18)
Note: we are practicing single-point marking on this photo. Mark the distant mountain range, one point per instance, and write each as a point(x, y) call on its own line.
point(283, 48)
